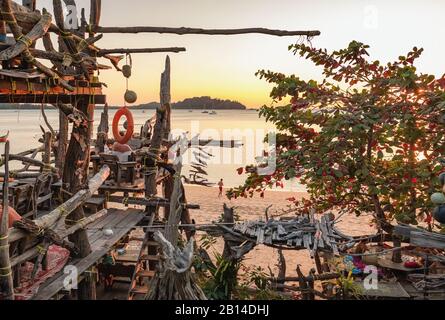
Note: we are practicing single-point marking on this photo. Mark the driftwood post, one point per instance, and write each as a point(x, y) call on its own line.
point(150, 167)
point(229, 218)
point(166, 101)
point(6, 279)
point(174, 280)
point(169, 181)
point(281, 268)
point(47, 153)
point(62, 142)
point(102, 131)
point(75, 176)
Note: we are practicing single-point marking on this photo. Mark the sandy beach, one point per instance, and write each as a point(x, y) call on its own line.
point(254, 209)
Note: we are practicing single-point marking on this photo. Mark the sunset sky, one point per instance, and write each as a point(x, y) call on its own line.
point(225, 66)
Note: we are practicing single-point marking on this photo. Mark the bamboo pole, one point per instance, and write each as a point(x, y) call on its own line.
point(185, 30)
point(6, 280)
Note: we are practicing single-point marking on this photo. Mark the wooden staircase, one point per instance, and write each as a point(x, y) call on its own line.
point(145, 267)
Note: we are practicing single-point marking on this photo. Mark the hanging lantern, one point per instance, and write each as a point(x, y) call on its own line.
point(130, 96)
point(126, 71)
point(438, 198)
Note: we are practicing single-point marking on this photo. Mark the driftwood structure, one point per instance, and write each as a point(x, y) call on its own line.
point(52, 194)
point(70, 173)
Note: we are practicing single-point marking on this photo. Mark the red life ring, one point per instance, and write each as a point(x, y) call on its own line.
point(123, 139)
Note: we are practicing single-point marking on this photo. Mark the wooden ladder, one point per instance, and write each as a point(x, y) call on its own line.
point(145, 267)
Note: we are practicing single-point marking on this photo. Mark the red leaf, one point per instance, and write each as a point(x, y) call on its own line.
point(240, 171)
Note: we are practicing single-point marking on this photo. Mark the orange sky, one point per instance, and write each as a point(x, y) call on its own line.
point(225, 66)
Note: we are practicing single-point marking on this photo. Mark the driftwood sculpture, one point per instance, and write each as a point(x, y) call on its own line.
point(174, 280)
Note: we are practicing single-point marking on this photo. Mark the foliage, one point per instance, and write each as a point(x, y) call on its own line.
point(219, 285)
point(220, 281)
point(347, 288)
point(216, 280)
point(258, 279)
point(367, 138)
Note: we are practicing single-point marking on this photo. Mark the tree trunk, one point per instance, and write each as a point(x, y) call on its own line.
point(76, 173)
point(75, 177)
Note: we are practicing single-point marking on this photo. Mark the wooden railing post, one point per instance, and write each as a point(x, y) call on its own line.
point(6, 279)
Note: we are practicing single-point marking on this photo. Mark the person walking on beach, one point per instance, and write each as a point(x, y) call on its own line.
point(221, 187)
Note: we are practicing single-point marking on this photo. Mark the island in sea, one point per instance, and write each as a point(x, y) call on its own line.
point(197, 103)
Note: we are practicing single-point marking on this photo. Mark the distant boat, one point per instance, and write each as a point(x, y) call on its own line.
point(213, 113)
point(205, 111)
point(190, 110)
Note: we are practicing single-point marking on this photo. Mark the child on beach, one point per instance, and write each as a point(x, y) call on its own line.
point(221, 186)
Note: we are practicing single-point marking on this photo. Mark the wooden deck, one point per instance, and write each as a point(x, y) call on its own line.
point(120, 221)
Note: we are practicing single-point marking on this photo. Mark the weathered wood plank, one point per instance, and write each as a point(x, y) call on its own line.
point(47, 291)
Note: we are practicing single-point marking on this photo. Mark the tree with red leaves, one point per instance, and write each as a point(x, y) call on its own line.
point(367, 138)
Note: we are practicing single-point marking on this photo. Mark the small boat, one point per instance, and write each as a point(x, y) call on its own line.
point(205, 111)
point(213, 113)
point(4, 138)
point(190, 110)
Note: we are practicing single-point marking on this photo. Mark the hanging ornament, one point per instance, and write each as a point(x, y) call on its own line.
point(126, 71)
point(130, 96)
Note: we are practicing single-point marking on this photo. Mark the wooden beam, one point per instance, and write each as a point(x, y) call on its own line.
point(6, 280)
point(184, 30)
point(51, 98)
point(154, 203)
point(103, 52)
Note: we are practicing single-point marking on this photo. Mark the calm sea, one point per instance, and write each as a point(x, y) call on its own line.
point(245, 126)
